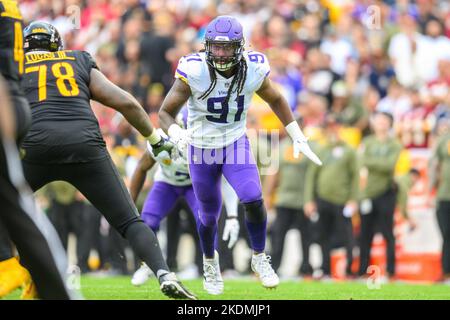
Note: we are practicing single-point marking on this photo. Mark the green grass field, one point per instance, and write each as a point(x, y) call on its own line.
point(120, 288)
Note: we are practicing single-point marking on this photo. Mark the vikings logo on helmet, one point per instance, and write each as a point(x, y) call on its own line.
point(224, 42)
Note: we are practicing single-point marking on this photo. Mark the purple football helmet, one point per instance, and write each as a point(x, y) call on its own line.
point(224, 42)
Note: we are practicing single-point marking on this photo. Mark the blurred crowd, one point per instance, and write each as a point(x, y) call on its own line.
point(347, 58)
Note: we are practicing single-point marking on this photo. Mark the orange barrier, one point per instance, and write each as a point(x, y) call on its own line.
point(415, 267)
point(420, 262)
point(339, 263)
point(423, 267)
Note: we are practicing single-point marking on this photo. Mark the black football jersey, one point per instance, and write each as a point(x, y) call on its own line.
point(56, 84)
point(11, 44)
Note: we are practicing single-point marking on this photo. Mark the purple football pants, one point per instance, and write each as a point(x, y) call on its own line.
point(237, 164)
point(162, 198)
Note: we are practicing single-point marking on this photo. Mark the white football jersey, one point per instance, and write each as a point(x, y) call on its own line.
point(214, 124)
point(172, 170)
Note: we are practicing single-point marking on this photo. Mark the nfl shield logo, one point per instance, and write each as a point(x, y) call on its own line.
point(227, 84)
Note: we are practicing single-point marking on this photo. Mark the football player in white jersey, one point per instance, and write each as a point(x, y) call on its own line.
point(171, 182)
point(218, 85)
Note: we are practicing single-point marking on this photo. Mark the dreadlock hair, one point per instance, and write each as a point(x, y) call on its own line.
point(212, 85)
point(238, 81)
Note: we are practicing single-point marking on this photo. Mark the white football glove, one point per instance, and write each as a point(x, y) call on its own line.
point(231, 231)
point(180, 137)
point(303, 147)
point(301, 143)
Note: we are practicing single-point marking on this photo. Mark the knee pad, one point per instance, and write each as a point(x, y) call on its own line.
point(255, 212)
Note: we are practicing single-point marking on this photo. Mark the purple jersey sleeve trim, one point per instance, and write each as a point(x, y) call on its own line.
point(193, 59)
point(182, 73)
point(267, 73)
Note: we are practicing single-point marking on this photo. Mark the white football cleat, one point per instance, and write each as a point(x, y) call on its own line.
point(212, 279)
point(264, 271)
point(141, 275)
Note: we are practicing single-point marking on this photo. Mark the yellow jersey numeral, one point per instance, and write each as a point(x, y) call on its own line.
point(68, 75)
point(18, 45)
point(42, 79)
point(60, 77)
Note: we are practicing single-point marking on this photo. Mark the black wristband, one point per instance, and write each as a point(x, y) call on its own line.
point(158, 144)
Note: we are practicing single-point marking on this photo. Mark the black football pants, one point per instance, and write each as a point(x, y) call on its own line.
point(100, 182)
point(23, 122)
point(39, 254)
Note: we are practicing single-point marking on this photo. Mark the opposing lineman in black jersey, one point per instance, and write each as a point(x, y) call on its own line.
point(65, 143)
point(40, 254)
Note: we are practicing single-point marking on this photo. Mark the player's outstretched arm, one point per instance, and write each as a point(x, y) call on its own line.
point(174, 101)
point(281, 108)
point(7, 123)
point(137, 180)
point(110, 95)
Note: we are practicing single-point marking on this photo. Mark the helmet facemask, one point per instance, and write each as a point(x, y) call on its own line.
point(223, 54)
